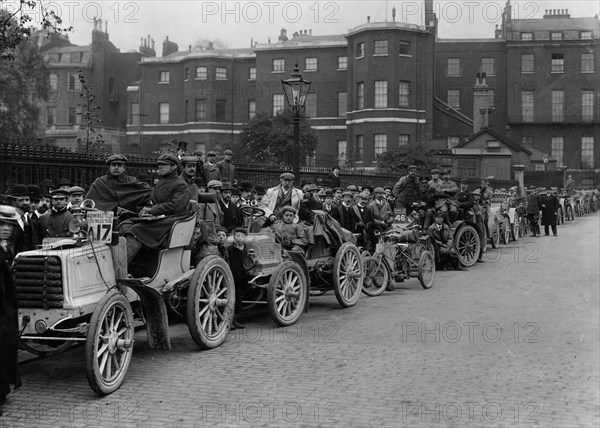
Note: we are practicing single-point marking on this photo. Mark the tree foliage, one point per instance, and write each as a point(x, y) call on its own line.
point(24, 82)
point(89, 118)
point(412, 154)
point(271, 138)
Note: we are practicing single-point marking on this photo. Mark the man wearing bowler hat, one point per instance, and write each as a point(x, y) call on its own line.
point(171, 198)
point(116, 191)
point(28, 234)
point(246, 196)
point(226, 168)
point(55, 222)
point(285, 194)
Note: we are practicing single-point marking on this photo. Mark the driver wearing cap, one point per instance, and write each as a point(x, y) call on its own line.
point(285, 194)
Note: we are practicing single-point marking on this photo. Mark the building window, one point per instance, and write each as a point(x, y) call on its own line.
point(379, 144)
point(527, 105)
point(50, 115)
point(488, 66)
point(201, 73)
point(454, 98)
point(342, 63)
point(164, 76)
point(278, 104)
point(587, 62)
point(556, 35)
point(587, 105)
point(527, 63)
point(53, 81)
point(74, 85)
point(558, 106)
point(310, 64)
point(310, 105)
point(452, 141)
point(342, 103)
point(526, 36)
point(72, 117)
point(252, 73)
point(163, 111)
point(278, 65)
point(527, 140)
point(381, 47)
point(404, 48)
point(342, 151)
point(251, 109)
point(539, 166)
point(585, 35)
point(186, 110)
point(404, 94)
point(186, 74)
point(558, 63)
point(220, 108)
point(221, 73)
point(360, 96)
point(587, 152)
point(491, 94)
point(76, 57)
point(557, 150)
point(360, 148)
point(403, 140)
point(453, 68)
point(381, 95)
point(360, 50)
point(134, 114)
point(200, 111)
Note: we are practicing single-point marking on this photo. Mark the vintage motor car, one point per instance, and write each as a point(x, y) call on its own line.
point(79, 290)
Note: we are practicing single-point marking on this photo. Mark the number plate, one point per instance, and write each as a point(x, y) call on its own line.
point(400, 216)
point(100, 226)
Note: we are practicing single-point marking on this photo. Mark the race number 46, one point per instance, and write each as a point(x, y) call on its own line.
point(100, 225)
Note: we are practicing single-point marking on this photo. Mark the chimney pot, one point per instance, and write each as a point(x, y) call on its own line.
point(310, 31)
point(368, 19)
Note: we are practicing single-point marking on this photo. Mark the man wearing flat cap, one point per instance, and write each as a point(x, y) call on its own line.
point(76, 194)
point(441, 234)
point(226, 168)
point(291, 236)
point(446, 197)
point(171, 198)
point(211, 171)
point(118, 192)
point(285, 194)
point(406, 190)
point(55, 222)
point(382, 211)
point(188, 174)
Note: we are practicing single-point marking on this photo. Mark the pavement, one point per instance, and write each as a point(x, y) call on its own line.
point(511, 342)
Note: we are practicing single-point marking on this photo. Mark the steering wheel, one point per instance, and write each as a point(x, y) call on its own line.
point(251, 211)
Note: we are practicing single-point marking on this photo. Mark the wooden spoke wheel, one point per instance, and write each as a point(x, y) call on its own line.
point(467, 245)
point(495, 237)
point(515, 233)
point(347, 275)
point(210, 302)
point(109, 344)
point(506, 231)
point(427, 270)
point(287, 294)
point(377, 276)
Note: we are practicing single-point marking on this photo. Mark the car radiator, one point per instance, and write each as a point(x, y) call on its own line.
point(38, 280)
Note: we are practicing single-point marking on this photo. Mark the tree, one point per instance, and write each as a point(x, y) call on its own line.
point(271, 138)
point(204, 44)
point(16, 23)
point(89, 119)
point(24, 82)
point(412, 154)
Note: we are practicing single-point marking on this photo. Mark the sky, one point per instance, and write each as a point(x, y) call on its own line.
point(237, 23)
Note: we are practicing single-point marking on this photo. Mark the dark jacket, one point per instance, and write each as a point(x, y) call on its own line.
point(334, 180)
point(211, 172)
point(125, 191)
point(346, 216)
point(550, 206)
point(440, 236)
point(230, 216)
point(227, 171)
point(9, 328)
point(55, 224)
point(534, 204)
point(406, 191)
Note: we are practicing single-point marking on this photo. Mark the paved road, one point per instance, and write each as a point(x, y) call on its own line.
point(512, 342)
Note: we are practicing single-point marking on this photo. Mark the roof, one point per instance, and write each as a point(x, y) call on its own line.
point(498, 135)
point(306, 41)
point(64, 53)
point(538, 155)
point(214, 53)
point(393, 25)
point(458, 151)
point(555, 24)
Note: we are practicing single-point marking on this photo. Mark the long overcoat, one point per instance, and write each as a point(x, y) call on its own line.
point(549, 208)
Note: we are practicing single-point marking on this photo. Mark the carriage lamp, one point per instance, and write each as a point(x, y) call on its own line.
point(249, 259)
point(78, 225)
point(296, 91)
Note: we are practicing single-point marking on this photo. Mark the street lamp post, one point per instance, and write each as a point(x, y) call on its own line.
point(296, 90)
point(545, 158)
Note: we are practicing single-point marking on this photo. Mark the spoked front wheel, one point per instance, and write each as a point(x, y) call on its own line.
point(376, 276)
point(347, 275)
point(426, 270)
point(109, 343)
point(287, 293)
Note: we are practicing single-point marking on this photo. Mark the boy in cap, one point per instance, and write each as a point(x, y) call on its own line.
point(235, 254)
point(293, 237)
point(75, 197)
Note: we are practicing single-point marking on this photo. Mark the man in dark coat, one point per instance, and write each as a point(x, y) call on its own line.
point(211, 171)
point(366, 223)
point(344, 213)
point(231, 217)
point(550, 204)
point(226, 168)
point(28, 234)
point(117, 189)
point(465, 200)
point(171, 198)
point(55, 222)
point(406, 190)
point(533, 211)
point(334, 177)
point(9, 322)
point(189, 165)
point(441, 234)
point(235, 254)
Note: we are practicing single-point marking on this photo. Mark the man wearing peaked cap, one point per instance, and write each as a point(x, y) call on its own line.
point(283, 195)
point(406, 190)
point(226, 168)
point(170, 198)
point(211, 170)
point(118, 192)
point(214, 186)
point(55, 222)
point(75, 196)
